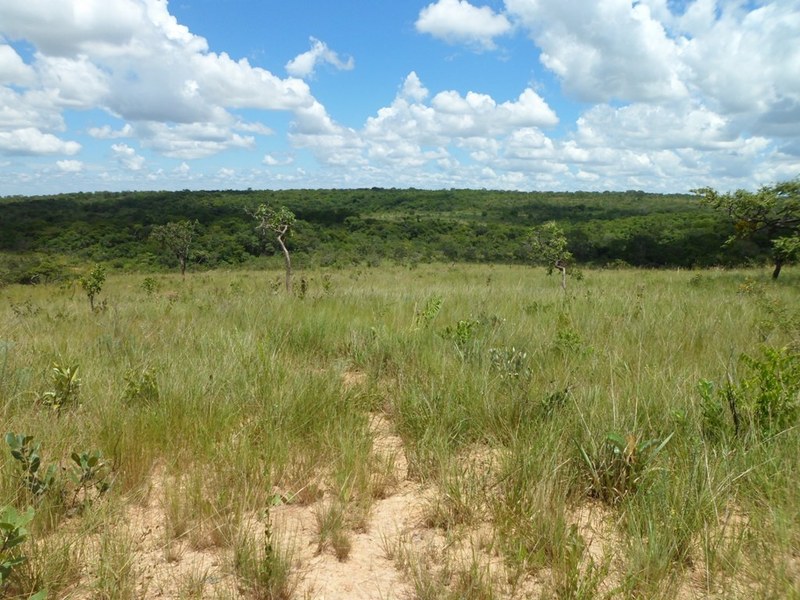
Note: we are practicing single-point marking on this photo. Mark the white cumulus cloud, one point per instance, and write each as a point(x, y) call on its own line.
point(70, 166)
point(190, 141)
point(606, 50)
point(458, 21)
point(677, 95)
point(748, 64)
point(132, 59)
point(305, 64)
point(13, 69)
point(31, 141)
point(413, 89)
point(413, 131)
point(277, 161)
point(107, 133)
point(450, 116)
point(127, 157)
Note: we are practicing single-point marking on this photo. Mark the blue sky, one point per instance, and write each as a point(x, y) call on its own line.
point(659, 95)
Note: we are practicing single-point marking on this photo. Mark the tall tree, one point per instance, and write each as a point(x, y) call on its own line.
point(773, 211)
point(549, 248)
point(279, 222)
point(176, 237)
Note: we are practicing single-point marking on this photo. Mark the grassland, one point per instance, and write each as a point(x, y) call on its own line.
point(436, 432)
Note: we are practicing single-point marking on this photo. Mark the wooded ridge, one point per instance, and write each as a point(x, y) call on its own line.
point(41, 235)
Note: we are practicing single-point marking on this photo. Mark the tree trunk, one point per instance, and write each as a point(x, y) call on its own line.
point(563, 277)
point(288, 265)
point(777, 270)
point(182, 262)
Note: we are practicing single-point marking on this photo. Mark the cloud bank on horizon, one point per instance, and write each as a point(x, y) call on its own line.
point(661, 95)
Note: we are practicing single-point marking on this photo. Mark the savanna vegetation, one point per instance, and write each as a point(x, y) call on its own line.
point(175, 424)
point(43, 238)
point(634, 438)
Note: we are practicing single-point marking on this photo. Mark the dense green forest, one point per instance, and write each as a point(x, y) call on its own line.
point(42, 236)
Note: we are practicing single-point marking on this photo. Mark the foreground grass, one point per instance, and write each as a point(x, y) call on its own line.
point(504, 393)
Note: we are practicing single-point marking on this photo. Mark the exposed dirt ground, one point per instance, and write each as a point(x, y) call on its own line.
point(189, 566)
point(396, 549)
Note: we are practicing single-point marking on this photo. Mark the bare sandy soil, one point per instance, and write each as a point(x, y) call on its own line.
point(396, 549)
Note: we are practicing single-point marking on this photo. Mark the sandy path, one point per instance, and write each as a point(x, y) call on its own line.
point(367, 573)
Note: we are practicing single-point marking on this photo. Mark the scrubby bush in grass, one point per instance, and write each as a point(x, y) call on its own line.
point(619, 465)
point(32, 269)
point(66, 387)
point(468, 335)
point(89, 471)
point(773, 388)
point(25, 309)
point(463, 334)
point(141, 386)
point(150, 285)
point(568, 342)
point(423, 316)
point(26, 453)
point(92, 283)
point(13, 532)
point(765, 400)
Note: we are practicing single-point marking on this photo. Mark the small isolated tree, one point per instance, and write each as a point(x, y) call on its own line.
point(773, 211)
point(176, 237)
point(278, 222)
point(92, 283)
point(549, 248)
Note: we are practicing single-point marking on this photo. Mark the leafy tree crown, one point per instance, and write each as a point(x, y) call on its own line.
point(549, 246)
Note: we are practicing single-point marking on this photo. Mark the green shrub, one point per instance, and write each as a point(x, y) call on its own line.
point(13, 533)
point(66, 387)
point(89, 471)
point(92, 283)
point(463, 334)
point(764, 402)
point(618, 466)
point(141, 386)
point(424, 316)
point(26, 453)
point(150, 285)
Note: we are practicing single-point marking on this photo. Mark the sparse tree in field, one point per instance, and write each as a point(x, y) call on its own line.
point(176, 237)
point(279, 222)
point(773, 211)
point(92, 283)
point(549, 248)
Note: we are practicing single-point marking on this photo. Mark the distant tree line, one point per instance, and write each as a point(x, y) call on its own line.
point(123, 230)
